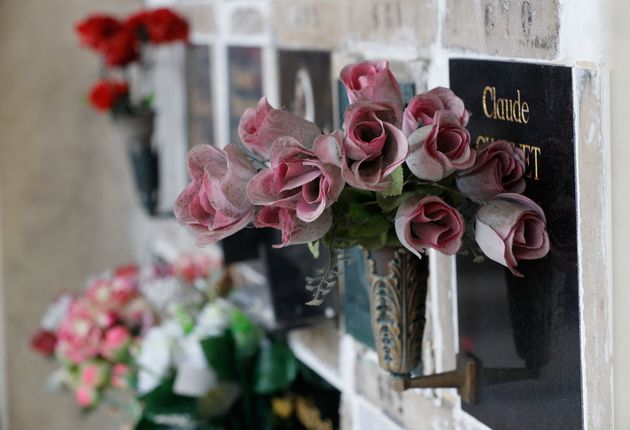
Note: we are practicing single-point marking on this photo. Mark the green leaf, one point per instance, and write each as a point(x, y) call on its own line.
point(246, 335)
point(372, 227)
point(276, 368)
point(314, 248)
point(219, 400)
point(397, 182)
point(220, 355)
point(185, 320)
point(391, 203)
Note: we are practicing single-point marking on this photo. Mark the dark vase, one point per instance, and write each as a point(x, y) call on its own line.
point(135, 132)
point(397, 289)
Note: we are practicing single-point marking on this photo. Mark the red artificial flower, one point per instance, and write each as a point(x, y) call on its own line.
point(104, 94)
point(96, 30)
point(137, 24)
point(121, 49)
point(44, 342)
point(164, 26)
point(128, 270)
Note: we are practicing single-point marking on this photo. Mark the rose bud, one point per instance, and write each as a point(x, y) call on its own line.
point(94, 374)
point(121, 49)
point(259, 128)
point(215, 205)
point(421, 109)
point(373, 147)
point(297, 179)
point(165, 26)
point(85, 396)
point(371, 81)
point(428, 222)
point(120, 376)
point(294, 231)
point(498, 168)
point(115, 343)
point(79, 335)
point(439, 149)
point(95, 30)
point(511, 227)
point(44, 342)
point(106, 93)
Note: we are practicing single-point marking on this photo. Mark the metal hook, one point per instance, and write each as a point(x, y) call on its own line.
point(464, 378)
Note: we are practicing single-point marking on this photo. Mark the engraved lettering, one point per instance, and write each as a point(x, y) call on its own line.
point(504, 109)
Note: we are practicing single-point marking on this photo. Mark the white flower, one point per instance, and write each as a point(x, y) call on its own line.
point(156, 355)
point(56, 313)
point(213, 319)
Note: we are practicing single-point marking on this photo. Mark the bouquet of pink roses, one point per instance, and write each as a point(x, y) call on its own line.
point(395, 175)
point(96, 335)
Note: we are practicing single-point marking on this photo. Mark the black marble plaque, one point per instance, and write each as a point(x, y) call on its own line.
point(306, 86)
point(525, 332)
point(245, 83)
point(199, 96)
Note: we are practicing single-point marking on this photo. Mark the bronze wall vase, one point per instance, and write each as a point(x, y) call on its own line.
point(397, 291)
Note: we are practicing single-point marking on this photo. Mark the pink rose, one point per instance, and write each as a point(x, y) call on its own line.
point(79, 335)
point(85, 396)
point(120, 376)
point(260, 127)
point(439, 149)
point(215, 205)
point(117, 340)
point(511, 227)
point(138, 314)
point(93, 374)
point(373, 146)
point(294, 231)
point(422, 108)
point(371, 81)
point(297, 179)
point(110, 294)
point(428, 222)
point(499, 168)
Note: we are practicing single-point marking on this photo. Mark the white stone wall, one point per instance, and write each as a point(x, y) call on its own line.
point(420, 36)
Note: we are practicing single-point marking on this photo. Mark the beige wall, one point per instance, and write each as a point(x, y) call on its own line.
point(621, 212)
point(66, 192)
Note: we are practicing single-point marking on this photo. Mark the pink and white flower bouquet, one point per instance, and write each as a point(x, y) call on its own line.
point(395, 175)
point(96, 335)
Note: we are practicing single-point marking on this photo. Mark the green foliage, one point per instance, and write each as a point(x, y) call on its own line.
point(325, 281)
point(246, 335)
point(397, 178)
point(276, 367)
point(220, 355)
point(314, 248)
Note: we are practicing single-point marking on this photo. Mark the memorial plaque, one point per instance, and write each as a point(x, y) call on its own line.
point(525, 332)
point(245, 83)
point(199, 96)
point(306, 86)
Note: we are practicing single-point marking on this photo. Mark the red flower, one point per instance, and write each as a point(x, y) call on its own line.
point(163, 26)
point(128, 270)
point(96, 30)
point(121, 49)
point(44, 342)
point(104, 94)
point(137, 23)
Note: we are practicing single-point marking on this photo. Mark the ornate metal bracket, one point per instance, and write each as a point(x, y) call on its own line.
point(464, 378)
